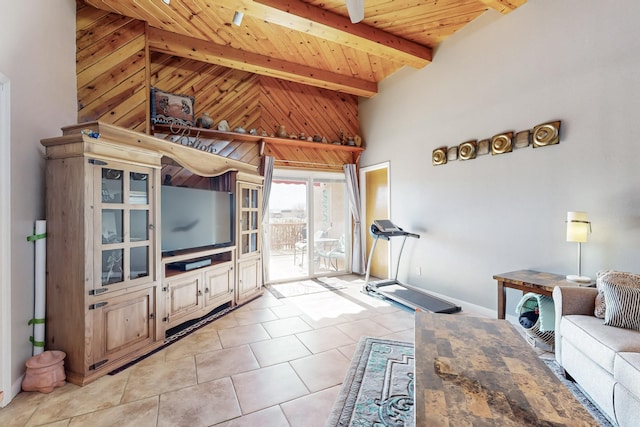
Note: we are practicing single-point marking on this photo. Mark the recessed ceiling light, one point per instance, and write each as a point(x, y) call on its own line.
point(237, 18)
point(166, 1)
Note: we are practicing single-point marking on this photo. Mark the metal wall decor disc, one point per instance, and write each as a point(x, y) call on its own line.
point(545, 135)
point(501, 144)
point(439, 156)
point(467, 151)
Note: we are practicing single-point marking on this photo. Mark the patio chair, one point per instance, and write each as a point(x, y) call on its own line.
point(301, 245)
point(332, 257)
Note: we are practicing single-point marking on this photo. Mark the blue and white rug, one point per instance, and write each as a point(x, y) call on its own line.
point(378, 388)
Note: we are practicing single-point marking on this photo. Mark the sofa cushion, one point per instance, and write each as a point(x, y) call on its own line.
point(623, 306)
point(598, 341)
point(615, 277)
point(626, 370)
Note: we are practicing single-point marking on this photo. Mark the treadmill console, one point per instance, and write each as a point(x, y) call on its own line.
point(385, 229)
point(386, 226)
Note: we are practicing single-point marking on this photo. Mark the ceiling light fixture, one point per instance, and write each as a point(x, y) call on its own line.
point(166, 1)
point(237, 18)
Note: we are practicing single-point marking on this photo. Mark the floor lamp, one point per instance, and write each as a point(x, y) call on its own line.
point(578, 229)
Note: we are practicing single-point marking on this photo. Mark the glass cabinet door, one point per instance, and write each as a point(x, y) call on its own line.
point(249, 219)
point(125, 214)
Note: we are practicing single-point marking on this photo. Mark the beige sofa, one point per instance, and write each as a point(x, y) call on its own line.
point(604, 360)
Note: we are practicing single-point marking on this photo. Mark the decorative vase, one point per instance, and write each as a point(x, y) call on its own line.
point(204, 121)
point(282, 132)
point(223, 126)
point(45, 372)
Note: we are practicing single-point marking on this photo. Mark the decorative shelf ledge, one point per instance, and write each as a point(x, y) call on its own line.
point(245, 137)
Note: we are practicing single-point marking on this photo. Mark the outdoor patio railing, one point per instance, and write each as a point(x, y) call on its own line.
point(285, 235)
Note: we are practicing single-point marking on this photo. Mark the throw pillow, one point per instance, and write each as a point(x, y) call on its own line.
point(167, 108)
point(623, 306)
point(615, 277)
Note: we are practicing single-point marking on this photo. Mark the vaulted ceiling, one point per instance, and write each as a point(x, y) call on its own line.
point(306, 41)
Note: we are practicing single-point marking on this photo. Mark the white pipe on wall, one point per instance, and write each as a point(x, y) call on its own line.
point(40, 286)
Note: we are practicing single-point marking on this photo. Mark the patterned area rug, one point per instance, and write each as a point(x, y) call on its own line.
point(302, 287)
point(378, 388)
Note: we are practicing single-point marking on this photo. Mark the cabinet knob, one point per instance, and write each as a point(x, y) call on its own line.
point(199, 293)
point(152, 316)
point(206, 290)
point(151, 227)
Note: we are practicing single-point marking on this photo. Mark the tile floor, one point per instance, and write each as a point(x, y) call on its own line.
point(273, 362)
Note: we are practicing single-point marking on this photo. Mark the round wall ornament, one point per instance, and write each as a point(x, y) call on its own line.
point(546, 134)
point(439, 156)
point(467, 150)
point(501, 143)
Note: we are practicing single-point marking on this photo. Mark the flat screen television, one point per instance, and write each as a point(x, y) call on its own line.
point(195, 219)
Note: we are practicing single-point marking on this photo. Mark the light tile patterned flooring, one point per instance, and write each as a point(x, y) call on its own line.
point(272, 362)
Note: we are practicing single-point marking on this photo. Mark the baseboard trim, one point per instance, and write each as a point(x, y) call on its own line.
point(468, 307)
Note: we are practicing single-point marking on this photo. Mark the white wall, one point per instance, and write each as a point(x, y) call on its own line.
point(37, 55)
point(573, 60)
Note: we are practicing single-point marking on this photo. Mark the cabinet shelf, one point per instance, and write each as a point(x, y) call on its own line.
point(214, 257)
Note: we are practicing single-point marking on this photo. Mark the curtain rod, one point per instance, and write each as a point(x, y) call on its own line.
point(309, 163)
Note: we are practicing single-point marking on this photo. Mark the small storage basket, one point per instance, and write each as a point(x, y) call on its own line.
point(537, 335)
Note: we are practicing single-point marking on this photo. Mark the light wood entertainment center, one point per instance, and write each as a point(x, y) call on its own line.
point(111, 295)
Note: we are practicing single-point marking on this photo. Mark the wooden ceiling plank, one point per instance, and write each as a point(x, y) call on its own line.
point(104, 27)
point(87, 17)
point(503, 6)
point(187, 47)
point(127, 72)
point(132, 33)
point(129, 50)
point(335, 58)
point(126, 8)
point(313, 20)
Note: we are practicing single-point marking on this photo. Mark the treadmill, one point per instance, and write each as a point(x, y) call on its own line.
point(401, 293)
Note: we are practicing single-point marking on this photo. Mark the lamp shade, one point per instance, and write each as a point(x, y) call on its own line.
point(578, 227)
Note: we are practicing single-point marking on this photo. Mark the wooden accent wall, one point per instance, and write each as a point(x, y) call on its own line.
point(111, 68)
point(116, 71)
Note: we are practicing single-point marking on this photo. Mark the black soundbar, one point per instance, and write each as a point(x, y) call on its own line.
point(190, 265)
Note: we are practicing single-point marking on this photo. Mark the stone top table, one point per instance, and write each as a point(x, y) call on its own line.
point(473, 371)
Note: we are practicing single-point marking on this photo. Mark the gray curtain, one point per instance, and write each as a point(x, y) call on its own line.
point(357, 261)
point(266, 189)
point(267, 172)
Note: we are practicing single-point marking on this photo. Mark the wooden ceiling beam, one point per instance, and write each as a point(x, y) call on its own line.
point(318, 22)
point(504, 6)
point(212, 53)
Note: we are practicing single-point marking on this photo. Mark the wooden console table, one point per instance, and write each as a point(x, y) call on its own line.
point(473, 371)
point(529, 281)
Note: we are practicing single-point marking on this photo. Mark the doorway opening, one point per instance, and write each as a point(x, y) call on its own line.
point(376, 204)
point(5, 243)
point(309, 227)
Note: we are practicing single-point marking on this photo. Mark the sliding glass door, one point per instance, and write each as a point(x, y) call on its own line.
point(329, 225)
point(308, 226)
